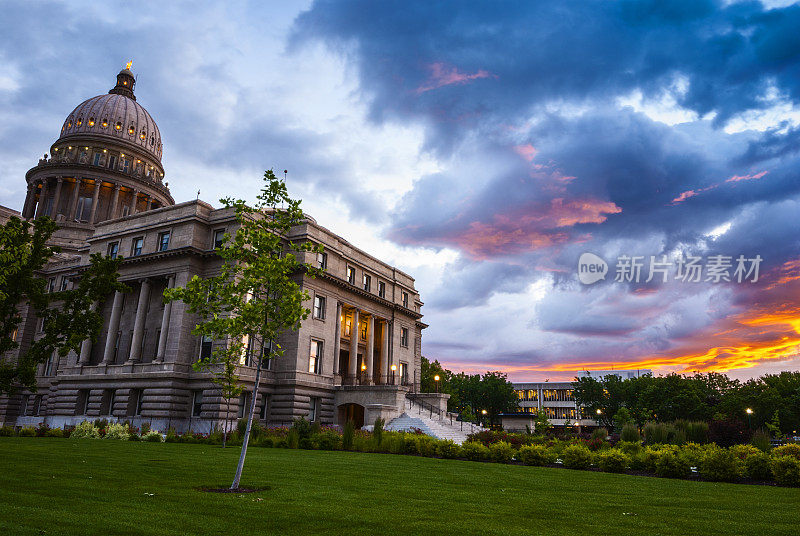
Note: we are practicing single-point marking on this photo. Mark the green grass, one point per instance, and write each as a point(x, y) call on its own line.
point(61, 486)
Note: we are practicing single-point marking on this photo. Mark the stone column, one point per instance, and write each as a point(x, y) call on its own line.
point(28, 197)
point(162, 339)
point(95, 198)
point(73, 211)
point(57, 196)
point(133, 202)
point(113, 327)
point(114, 201)
point(368, 358)
point(352, 369)
point(385, 374)
point(149, 203)
point(337, 338)
point(42, 200)
point(138, 325)
point(86, 345)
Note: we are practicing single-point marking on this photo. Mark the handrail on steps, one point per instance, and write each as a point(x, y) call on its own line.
point(443, 415)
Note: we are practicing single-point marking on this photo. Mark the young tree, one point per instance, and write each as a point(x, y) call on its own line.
point(255, 296)
point(222, 366)
point(68, 316)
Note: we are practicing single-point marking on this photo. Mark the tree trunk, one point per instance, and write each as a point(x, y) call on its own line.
point(246, 438)
point(225, 424)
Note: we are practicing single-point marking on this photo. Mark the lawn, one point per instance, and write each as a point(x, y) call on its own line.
point(61, 486)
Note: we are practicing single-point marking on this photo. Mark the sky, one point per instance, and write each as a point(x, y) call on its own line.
point(483, 148)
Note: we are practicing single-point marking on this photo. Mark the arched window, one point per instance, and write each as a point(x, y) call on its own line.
point(79, 122)
point(142, 135)
point(118, 126)
point(131, 130)
point(69, 123)
point(152, 141)
point(104, 124)
point(91, 121)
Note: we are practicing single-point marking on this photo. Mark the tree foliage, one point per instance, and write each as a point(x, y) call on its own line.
point(255, 296)
point(68, 316)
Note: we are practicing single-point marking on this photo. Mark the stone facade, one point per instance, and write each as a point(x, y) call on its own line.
point(140, 367)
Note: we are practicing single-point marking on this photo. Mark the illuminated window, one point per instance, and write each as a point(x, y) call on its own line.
point(142, 135)
point(363, 326)
point(404, 337)
point(131, 130)
point(91, 121)
point(347, 327)
point(351, 275)
point(118, 126)
point(69, 124)
point(315, 357)
point(104, 123)
point(322, 261)
point(79, 122)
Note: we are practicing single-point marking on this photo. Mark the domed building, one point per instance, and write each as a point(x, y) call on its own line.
point(357, 357)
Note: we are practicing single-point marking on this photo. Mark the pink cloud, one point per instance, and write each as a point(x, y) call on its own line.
point(527, 151)
point(737, 178)
point(445, 75)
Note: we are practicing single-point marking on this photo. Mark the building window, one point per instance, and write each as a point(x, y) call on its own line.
point(135, 402)
point(197, 403)
point(244, 403)
point(315, 358)
point(23, 405)
point(363, 328)
point(136, 248)
point(64, 283)
point(126, 210)
point(113, 249)
point(405, 300)
point(382, 289)
point(112, 161)
point(219, 238)
point(404, 337)
point(107, 402)
point(51, 284)
point(96, 158)
point(367, 282)
point(347, 326)
point(49, 365)
point(37, 405)
point(82, 403)
point(40, 328)
point(205, 347)
point(351, 275)
point(313, 408)
point(84, 209)
point(163, 241)
point(126, 165)
point(319, 307)
point(403, 373)
point(264, 409)
point(322, 261)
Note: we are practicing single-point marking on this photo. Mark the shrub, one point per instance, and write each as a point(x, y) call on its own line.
point(117, 431)
point(729, 432)
point(305, 443)
point(743, 451)
point(85, 430)
point(256, 430)
point(101, 424)
point(172, 436)
point(697, 432)
point(134, 437)
point(501, 452)
point(293, 438)
point(42, 429)
point(145, 428)
point(757, 466)
point(377, 431)
point(535, 455)
point(576, 457)
point(27, 431)
point(629, 433)
point(720, 465)
point(631, 448)
point(153, 436)
point(658, 433)
point(427, 445)
point(670, 464)
point(302, 427)
point(792, 449)
point(786, 470)
point(449, 449)
point(6, 431)
point(241, 426)
point(761, 440)
point(600, 433)
point(613, 461)
point(348, 435)
point(327, 440)
point(55, 432)
point(410, 445)
point(475, 451)
point(214, 437)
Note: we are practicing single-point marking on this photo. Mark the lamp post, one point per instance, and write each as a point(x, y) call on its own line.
point(436, 380)
point(749, 412)
point(483, 413)
point(394, 368)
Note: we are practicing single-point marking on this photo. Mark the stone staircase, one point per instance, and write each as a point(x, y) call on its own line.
point(440, 427)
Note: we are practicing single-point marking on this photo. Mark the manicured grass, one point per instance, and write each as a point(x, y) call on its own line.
point(62, 486)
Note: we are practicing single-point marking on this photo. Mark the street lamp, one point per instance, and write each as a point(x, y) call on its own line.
point(599, 411)
point(394, 368)
point(749, 412)
point(483, 413)
point(436, 379)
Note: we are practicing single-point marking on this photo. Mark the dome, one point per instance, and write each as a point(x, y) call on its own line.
point(116, 116)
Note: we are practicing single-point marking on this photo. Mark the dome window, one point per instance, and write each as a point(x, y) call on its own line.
point(131, 130)
point(79, 122)
point(104, 123)
point(152, 141)
point(91, 121)
point(118, 126)
point(69, 124)
point(142, 136)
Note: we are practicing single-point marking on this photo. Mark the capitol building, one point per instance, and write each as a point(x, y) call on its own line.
point(357, 356)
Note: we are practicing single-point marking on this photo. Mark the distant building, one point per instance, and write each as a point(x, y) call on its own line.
point(557, 400)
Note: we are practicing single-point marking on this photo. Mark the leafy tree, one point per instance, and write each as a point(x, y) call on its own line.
point(497, 395)
point(69, 316)
point(254, 297)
